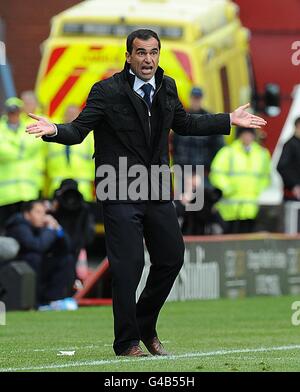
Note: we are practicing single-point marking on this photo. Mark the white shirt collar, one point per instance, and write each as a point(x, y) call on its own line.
point(138, 83)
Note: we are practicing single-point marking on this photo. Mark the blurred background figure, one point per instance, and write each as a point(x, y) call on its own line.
point(73, 214)
point(241, 171)
point(289, 165)
point(190, 150)
point(45, 246)
point(30, 104)
point(20, 177)
point(74, 162)
point(205, 221)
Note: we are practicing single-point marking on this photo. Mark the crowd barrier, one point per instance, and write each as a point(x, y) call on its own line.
point(236, 266)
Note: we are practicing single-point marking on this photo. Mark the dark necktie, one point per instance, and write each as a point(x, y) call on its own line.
point(147, 88)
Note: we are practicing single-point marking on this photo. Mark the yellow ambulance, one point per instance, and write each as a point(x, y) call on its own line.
point(203, 44)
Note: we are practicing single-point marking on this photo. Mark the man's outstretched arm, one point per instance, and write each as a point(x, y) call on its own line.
point(77, 130)
point(242, 118)
point(187, 124)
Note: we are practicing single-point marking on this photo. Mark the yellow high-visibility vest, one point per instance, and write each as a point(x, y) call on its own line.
point(241, 176)
point(20, 177)
point(71, 162)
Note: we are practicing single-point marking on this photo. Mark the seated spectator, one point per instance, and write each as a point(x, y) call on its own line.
point(46, 248)
point(289, 165)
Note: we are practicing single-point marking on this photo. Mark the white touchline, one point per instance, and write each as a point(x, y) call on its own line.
point(26, 350)
point(146, 359)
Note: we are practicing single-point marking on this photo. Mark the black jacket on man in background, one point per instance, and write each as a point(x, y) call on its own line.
point(289, 166)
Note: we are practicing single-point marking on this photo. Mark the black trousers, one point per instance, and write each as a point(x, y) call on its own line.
point(125, 227)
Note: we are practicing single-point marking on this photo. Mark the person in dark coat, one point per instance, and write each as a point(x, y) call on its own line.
point(46, 248)
point(131, 114)
point(289, 165)
point(73, 214)
point(193, 150)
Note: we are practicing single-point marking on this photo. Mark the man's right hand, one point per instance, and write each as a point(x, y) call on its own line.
point(43, 127)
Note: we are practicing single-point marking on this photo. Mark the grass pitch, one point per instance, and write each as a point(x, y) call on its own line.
point(251, 334)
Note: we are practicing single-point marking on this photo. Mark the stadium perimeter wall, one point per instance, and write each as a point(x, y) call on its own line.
point(236, 266)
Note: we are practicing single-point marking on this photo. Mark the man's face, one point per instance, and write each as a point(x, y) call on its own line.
point(37, 215)
point(144, 58)
point(30, 104)
point(71, 113)
point(297, 131)
point(13, 117)
point(195, 102)
point(247, 138)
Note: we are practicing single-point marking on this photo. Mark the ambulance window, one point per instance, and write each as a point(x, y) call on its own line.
point(99, 29)
point(225, 89)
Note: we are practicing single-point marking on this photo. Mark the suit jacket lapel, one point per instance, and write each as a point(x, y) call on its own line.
point(161, 98)
point(140, 110)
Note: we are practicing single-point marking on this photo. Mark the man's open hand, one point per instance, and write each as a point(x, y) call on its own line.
point(42, 127)
point(244, 119)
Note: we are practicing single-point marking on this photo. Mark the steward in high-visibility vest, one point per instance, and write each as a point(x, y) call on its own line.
point(73, 162)
point(31, 105)
point(18, 152)
point(241, 171)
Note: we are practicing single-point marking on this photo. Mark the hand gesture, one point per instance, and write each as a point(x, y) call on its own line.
point(51, 223)
point(244, 119)
point(42, 127)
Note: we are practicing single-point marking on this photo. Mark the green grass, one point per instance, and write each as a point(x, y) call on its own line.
point(32, 340)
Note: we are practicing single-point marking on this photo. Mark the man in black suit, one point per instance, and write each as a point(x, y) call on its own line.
point(131, 114)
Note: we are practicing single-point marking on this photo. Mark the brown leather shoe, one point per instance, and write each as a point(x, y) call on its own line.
point(134, 351)
point(155, 347)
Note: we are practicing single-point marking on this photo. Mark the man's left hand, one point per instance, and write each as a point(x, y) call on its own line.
point(244, 119)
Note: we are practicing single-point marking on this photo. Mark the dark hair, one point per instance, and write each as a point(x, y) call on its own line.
point(240, 130)
point(27, 206)
point(297, 122)
point(143, 34)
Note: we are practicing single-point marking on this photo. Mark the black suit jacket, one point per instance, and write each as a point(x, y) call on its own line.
point(120, 121)
point(289, 164)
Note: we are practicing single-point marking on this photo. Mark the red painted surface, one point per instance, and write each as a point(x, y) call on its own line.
point(64, 89)
point(95, 302)
point(55, 56)
point(92, 280)
point(184, 60)
point(270, 15)
point(274, 26)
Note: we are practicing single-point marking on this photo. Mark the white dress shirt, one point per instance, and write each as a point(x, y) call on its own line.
point(138, 83)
